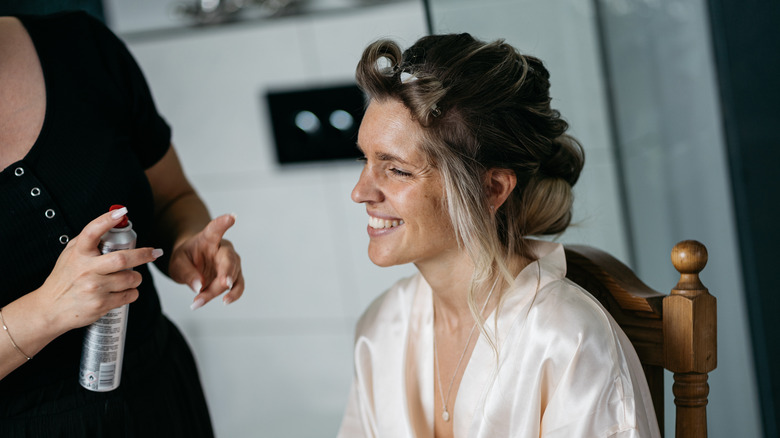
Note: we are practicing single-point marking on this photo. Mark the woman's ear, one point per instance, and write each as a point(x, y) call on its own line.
point(500, 183)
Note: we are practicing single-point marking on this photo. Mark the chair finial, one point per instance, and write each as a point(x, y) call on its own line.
point(689, 257)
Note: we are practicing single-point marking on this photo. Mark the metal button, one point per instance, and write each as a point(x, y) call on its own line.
point(64, 239)
point(18, 171)
point(49, 213)
point(35, 191)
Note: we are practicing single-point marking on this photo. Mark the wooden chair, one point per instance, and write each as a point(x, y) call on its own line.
point(676, 332)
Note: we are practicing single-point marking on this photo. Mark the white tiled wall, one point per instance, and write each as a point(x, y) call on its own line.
point(278, 362)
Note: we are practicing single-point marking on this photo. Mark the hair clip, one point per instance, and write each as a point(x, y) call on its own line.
point(435, 111)
point(407, 77)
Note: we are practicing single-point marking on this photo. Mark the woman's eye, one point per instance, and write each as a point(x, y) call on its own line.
point(400, 172)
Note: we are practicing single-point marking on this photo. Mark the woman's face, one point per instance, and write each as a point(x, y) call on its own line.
point(403, 194)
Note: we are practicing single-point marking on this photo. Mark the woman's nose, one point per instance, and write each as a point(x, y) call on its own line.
point(366, 189)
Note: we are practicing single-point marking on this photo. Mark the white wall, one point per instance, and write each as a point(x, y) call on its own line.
point(278, 362)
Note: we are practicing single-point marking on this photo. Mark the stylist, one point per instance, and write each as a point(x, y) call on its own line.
point(79, 132)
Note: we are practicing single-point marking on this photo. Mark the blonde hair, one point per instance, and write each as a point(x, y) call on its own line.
point(483, 106)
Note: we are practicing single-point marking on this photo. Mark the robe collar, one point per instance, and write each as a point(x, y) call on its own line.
point(550, 265)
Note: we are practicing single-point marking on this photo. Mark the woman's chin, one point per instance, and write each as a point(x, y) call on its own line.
point(383, 260)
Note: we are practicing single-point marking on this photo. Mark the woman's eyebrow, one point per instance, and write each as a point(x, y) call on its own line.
point(384, 156)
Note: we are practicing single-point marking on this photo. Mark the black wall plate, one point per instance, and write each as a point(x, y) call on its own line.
point(316, 124)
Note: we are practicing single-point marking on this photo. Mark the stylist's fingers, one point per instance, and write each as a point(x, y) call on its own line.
point(228, 277)
point(126, 259)
point(89, 308)
point(114, 290)
point(117, 299)
point(121, 281)
point(236, 291)
point(192, 263)
point(89, 238)
point(230, 268)
point(182, 270)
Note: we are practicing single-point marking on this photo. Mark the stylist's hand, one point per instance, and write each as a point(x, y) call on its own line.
point(209, 264)
point(85, 284)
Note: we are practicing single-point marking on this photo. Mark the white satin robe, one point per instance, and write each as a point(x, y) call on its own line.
point(565, 367)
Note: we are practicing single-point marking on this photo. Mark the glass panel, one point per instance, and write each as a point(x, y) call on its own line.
point(635, 79)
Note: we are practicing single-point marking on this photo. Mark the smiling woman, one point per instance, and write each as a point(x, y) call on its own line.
point(464, 161)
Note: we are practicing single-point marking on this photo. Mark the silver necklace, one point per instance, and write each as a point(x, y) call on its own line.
point(445, 415)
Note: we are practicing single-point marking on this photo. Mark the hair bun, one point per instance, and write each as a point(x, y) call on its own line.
point(567, 160)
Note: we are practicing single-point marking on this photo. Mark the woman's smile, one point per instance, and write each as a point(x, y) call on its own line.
point(379, 223)
point(378, 227)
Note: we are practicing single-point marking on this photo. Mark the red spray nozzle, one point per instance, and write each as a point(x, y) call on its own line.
point(125, 221)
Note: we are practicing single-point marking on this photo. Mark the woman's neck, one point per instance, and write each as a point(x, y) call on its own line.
point(451, 281)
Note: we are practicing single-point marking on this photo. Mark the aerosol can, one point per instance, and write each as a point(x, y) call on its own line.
point(104, 341)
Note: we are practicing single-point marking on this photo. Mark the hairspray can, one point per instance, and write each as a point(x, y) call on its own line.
point(104, 341)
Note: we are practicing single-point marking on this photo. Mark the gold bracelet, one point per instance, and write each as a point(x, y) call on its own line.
point(2, 321)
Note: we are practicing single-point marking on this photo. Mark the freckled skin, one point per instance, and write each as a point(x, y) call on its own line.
point(397, 183)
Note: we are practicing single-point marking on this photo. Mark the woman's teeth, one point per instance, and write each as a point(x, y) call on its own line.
point(375, 222)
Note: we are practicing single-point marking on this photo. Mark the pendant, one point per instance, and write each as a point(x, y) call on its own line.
point(445, 416)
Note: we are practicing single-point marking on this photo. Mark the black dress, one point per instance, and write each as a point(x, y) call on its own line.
point(101, 131)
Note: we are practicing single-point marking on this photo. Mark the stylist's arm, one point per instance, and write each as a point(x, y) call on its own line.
point(200, 257)
point(81, 288)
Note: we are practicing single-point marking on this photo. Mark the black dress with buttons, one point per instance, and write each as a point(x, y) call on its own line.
point(101, 131)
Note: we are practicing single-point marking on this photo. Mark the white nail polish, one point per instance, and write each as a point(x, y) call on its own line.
point(197, 304)
point(119, 212)
point(196, 286)
point(229, 282)
point(157, 253)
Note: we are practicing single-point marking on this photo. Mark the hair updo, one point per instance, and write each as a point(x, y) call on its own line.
point(483, 106)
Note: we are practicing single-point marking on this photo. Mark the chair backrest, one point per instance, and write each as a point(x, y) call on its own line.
point(676, 332)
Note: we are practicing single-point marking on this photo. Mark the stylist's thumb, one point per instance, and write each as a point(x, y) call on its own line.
point(217, 228)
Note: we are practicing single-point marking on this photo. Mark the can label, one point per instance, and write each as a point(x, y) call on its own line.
point(101, 354)
point(104, 341)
